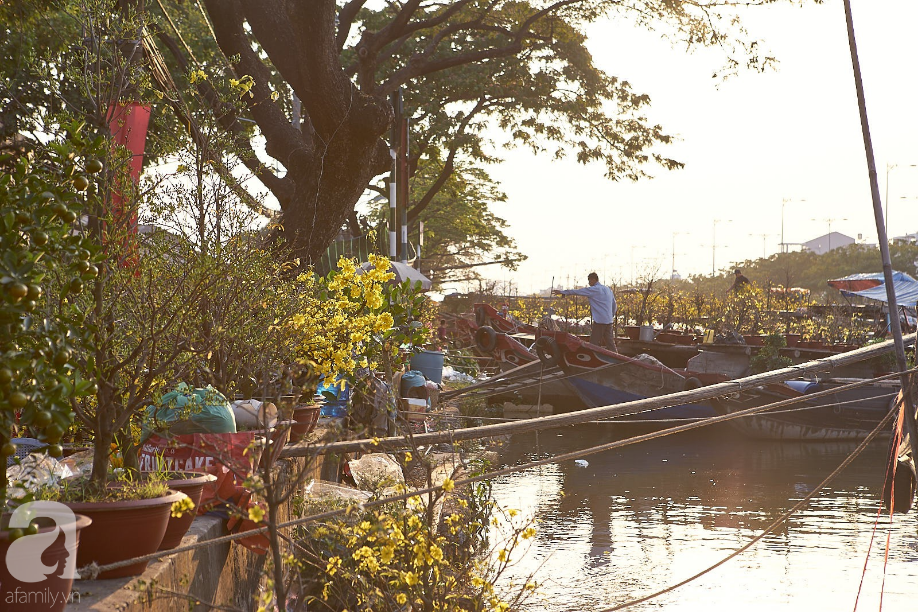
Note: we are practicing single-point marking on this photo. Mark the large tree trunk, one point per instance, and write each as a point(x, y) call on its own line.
point(339, 150)
point(325, 196)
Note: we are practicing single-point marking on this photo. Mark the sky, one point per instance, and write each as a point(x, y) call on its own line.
point(748, 144)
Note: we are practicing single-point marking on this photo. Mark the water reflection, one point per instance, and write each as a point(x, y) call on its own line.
point(643, 517)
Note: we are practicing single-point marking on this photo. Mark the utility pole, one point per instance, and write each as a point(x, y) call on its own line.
point(396, 100)
point(764, 239)
point(783, 202)
point(672, 273)
point(714, 243)
point(420, 244)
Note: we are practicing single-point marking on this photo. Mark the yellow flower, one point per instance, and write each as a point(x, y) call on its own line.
point(528, 533)
point(256, 514)
point(512, 512)
point(502, 555)
point(387, 553)
point(411, 578)
point(333, 564)
point(401, 598)
point(182, 506)
point(436, 552)
point(407, 456)
point(448, 485)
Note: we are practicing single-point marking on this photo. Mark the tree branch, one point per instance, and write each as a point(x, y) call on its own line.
point(346, 17)
point(284, 143)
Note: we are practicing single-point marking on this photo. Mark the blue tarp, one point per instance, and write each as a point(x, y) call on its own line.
point(906, 287)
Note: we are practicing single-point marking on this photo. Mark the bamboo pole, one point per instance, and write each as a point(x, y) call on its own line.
point(908, 403)
point(825, 364)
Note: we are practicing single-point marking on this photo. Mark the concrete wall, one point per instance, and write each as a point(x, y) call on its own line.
point(224, 574)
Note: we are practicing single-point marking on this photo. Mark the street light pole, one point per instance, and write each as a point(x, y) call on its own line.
point(829, 235)
point(673, 272)
point(886, 197)
point(783, 202)
point(764, 239)
point(714, 243)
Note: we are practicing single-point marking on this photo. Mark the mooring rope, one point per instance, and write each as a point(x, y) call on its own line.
point(94, 570)
point(590, 414)
point(770, 528)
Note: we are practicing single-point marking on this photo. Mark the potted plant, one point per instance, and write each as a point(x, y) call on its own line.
point(129, 519)
point(192, 485)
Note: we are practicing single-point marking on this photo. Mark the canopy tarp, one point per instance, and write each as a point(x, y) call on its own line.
point(872, 286)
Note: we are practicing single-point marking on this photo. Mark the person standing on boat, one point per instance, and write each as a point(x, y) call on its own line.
point(739, 281)
point(602, 310)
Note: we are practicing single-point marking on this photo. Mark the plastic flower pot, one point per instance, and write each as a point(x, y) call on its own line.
point(122, 530)
point(305, 419)
point(191, 484)
point(52, 593)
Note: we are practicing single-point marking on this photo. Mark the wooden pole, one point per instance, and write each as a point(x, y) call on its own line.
point(896, 329)
point(826, 364)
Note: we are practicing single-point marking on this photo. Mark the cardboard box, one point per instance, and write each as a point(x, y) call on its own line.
point(413, 409)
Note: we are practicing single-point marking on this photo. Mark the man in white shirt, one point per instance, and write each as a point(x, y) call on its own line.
point(602, 310)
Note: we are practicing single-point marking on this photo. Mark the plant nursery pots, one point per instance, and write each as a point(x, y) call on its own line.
point(754, 340)
point(123, 530)
point(191, 484)
point(792, 339)
point(53, 593)
point(305, 419)
point(632, 331)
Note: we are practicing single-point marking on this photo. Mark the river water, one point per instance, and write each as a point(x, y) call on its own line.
point(641, 518)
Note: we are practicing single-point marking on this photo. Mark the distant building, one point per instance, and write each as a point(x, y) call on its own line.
point(906, 239)
point(824, 244)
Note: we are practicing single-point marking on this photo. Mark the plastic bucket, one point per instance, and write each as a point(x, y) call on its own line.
point(430, 363)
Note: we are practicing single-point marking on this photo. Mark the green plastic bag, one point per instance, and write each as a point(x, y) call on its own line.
point(188, 411)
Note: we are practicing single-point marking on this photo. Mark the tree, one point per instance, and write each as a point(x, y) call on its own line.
point(460, 230)
point(522, 66)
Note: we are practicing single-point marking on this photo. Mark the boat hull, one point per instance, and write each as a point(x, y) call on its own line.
point(846, 415)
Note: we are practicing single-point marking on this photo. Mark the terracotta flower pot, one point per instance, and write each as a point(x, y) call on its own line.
point(191, 484)
point(754, 340)
point(275, 439)
point(123, 530)
point(305, 420)
point(52, 593)
point(632, 331)
point(792, 339)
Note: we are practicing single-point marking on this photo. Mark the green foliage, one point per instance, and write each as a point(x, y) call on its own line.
point(811, 271)
point(391, 557)
point(123, 488)
point(769, 356)
point(40, 329)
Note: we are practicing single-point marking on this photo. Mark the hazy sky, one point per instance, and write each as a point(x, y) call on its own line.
point(747, 144)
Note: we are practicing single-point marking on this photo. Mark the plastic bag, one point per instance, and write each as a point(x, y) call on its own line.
point(190, 411)
point(375, 471)
point(36, 471)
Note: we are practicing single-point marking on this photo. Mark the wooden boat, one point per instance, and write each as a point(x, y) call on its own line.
point(849, 414)
point(594, 376)
point(546, 384)
point(601, 377)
